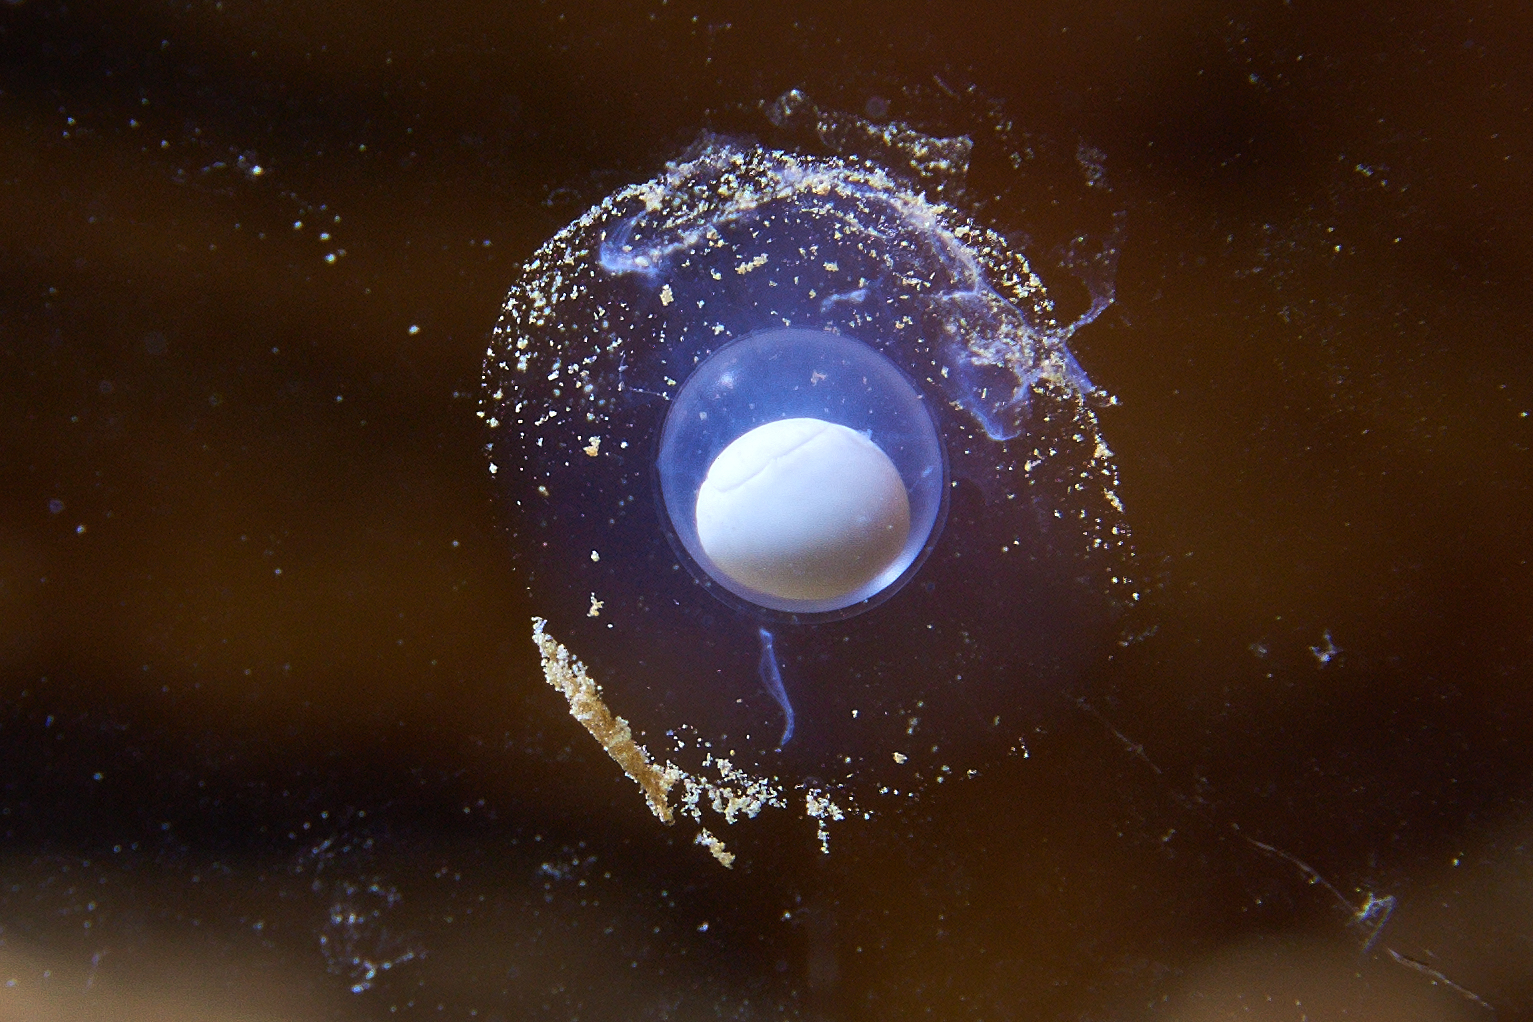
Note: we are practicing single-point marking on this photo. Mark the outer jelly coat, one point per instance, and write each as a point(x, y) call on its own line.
point(611, 315)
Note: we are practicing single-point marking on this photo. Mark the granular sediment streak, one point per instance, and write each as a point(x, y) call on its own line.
point(569, 676)
point(736, 795)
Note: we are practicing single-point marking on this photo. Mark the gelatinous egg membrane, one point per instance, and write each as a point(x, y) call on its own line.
point(604, 325)
point(806, 513)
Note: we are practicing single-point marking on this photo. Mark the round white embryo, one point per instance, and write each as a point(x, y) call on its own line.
point(803, 509)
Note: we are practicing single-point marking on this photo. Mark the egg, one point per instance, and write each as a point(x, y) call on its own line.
point(797, 461)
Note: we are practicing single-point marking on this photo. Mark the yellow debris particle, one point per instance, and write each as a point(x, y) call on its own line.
point(596, 606)
point(593, 448)
point(714, 845)
point(821, 809)
point(666, 297)
point(595, 556)
point(899, 757)
point(569, 676)
point(751, 264)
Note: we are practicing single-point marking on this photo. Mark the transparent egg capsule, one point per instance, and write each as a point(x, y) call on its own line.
point(783, 437)
point(802, 472)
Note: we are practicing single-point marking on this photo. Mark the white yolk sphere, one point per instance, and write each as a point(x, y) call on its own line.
point(803, 509)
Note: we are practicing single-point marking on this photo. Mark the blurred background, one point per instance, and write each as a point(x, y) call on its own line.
point(273, 739)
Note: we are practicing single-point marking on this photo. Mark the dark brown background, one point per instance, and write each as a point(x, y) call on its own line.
point(267, 707)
